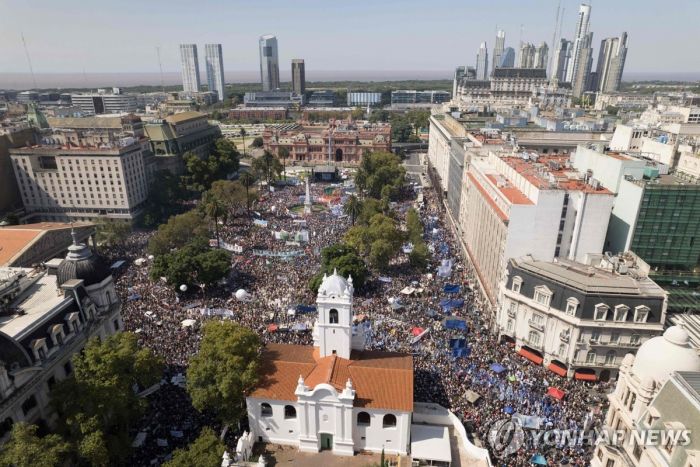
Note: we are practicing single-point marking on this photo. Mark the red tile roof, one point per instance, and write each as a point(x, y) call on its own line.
point(382, 380)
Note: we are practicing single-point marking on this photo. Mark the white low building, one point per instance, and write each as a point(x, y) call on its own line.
point(334, 395)
point(577, 319)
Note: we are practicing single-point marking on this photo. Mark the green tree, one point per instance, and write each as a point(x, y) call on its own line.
point(194, 263)
point(267, 167)
point(419, 257)
point(257, 142)
point(414, 226)
point(343, 259)
point(214, 209)
point(105, 375)
point(401, 129)
point(177, 232)
point(247, 179)
point(225, 370)
point(379, 170)
point(164, 196)
point(112, 233)
point(205, 451)
point(352, 207)
point(380, 254)
point(25, 449)
point(202, 172)
point(243, 134)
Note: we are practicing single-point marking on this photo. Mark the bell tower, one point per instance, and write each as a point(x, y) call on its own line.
point(333, 329)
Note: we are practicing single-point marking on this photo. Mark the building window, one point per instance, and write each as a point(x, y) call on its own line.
point(543, 295)
point(534, 337)
point(265, 410)
point(562, 350)
point(610, 357)
point(290, 412)
point(389, 421)
point(333, 316)
point(610, 462)
point(29, 404)
point(363, 419)
point(509, 326)
point(614, 337)
point(621, 312)
point(634, 339)
point(633, 399)
point(601, 312)
point(641, 313)
point(571, 306)
point(517, 284)
point(591, 356)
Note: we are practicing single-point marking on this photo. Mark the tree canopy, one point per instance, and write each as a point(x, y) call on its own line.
point(177, 232)
point(380, 173)
point(193, 263)
point(381, 240)
point(225, 370)
point(201, 172)
point(205, 451)
point(164, 193)
point(346, 261)
point(267, 167)
point(26, 449)
point(105, 375)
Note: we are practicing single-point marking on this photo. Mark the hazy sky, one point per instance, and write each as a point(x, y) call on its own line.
point(121, 36)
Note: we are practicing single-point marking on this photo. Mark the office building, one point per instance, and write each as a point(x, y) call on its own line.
point(658, 390)
point(339, 142)
point(190, 67)
point(215, 70)
point(528, 204)
point(298, 77)
point(654, 212)
point(85, 173)
point(560, 62)
point(482, 63)
point(580, 319)
point(611, 63)
point(47, 315)
point(12, 137)
point(363, 99)
point(102, 102)
point(582, 26)
point(541, 56)
point(498, 48)
point(508, 58)
point(272, 99)
point(582, 80)
point(173, 136)
point(526, 59)
point(269, 63)
point(412, 98)
point(323, 98)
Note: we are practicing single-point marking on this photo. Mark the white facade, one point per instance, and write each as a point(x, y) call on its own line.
point(641, 379)
point(101, 103)
point(582, 24)
point(82, 183)
point(628, 137)
point(498, 48)
point(215, 69)
point(324, 415)
point(190, 67)
point(364, 98)
point(482, 62)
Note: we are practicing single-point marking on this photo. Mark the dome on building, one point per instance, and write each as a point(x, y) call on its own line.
point(335, 284)
point(657, 358)
point(81, 263)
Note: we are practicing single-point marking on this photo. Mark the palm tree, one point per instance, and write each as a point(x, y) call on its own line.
point(353, 208)
point(214, 209)
point(243, 134)
point(247, 180)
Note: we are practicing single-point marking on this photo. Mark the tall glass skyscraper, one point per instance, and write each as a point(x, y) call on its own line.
point(498, 48)
point(190, 67)
point(482, 63)
point(507, 58)
point(582, 24)
point(611, 63)
point(298, 77)
point(215, 69)
point(269, 63)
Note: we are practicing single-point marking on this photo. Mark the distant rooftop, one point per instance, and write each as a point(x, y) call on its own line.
point(184, 116)
point(552, 172)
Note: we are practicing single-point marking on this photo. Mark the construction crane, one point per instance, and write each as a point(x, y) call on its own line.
point(29, 61)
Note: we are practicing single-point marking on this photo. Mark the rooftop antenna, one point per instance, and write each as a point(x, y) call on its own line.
point(160, 66)
point(29, 61)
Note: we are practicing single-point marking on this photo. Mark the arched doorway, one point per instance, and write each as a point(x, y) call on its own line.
point(326, 441)
point(605, 376)
point(506, 339)
point(339, 155)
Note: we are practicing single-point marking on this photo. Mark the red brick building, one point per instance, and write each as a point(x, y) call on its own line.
point(348, 141)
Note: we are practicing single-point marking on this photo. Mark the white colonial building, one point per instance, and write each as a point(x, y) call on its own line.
point(657, 390)
point(334, 395)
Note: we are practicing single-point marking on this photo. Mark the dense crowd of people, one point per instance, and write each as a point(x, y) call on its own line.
point(404, 309)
